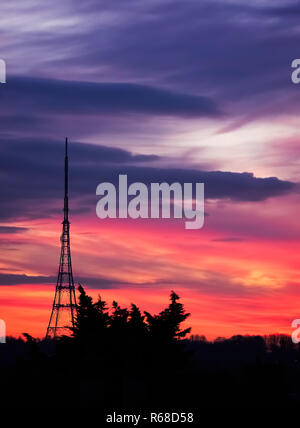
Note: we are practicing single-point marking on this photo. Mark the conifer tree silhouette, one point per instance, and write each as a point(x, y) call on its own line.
point(166, 325)
point(136, 321)
point(92, 318)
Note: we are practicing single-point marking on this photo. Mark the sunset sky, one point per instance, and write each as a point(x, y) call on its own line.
point(160, 90)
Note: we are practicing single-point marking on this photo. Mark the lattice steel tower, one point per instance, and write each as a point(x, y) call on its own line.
point(64, 306)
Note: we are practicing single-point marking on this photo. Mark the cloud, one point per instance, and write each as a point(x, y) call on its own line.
point(89, 282)
point(101, 42)
point(45, 96)
point(280, 11)
point(212, 282)
point(12, 229)
point(32, 177)
point(124, 111)
point(245, 76)
point(228, 239)
point(45, 151)
point(16, 279)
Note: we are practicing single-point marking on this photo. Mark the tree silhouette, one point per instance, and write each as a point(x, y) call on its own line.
point(166, 325)
point(92, 319)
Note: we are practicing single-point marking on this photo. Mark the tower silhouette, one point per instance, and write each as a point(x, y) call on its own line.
point(64, 306)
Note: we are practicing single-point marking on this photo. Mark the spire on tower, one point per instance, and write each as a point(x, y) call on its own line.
point(66, 198)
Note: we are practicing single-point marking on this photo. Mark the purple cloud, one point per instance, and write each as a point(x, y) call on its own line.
point(33, 171)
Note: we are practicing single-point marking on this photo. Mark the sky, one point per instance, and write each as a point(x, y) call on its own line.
point(160, 90)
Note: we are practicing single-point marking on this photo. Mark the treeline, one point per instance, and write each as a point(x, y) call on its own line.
point(122, 358)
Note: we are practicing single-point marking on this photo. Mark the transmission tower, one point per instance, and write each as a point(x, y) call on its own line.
point(64, 307)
